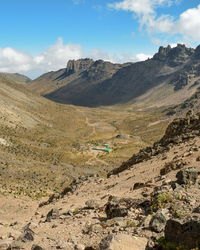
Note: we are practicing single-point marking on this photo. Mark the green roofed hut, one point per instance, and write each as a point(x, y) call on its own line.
point(107, 148)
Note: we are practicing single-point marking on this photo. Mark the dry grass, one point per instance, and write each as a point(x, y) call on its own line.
point(46, 156)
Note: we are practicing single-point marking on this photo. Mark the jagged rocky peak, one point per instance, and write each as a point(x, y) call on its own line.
point(197, 52)
point(162, 53)
point(174, 56)
point(74, 66)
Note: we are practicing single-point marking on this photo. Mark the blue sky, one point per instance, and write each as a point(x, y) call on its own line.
point(42, 35)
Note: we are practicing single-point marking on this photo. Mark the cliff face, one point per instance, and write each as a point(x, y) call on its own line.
point(77, 66)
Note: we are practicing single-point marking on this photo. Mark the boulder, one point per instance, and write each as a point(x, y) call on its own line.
point(123, 241)
point(52, 214)
point(117, 207)
point(159, 220)
point(187, 234)
point(187, 176)
point(27, 235)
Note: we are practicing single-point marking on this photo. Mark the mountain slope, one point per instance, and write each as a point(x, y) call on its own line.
point(15, 77)
point(172, 72)
point(153, 204)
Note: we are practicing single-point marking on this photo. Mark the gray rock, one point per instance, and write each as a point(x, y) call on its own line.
point(52, 214)
point(116, 207)
point(91, 204)
point(28, 234)
point(187, 177)
point(159, 220)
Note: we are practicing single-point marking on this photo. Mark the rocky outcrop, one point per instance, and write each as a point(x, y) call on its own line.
point(181, 129)
point(174, 56)
point(78, 66)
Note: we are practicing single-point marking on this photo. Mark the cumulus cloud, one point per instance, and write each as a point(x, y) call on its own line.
point(142, 57)
point(55, 57)
point(14, 60)
point(187, 24)
point(144, 10)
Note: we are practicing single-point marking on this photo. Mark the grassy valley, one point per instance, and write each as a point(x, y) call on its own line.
point(45, 145)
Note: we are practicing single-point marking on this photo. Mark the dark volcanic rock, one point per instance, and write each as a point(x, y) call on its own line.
point(119, 207)
point(116, 208)
point(187, 176)
point(187, 234)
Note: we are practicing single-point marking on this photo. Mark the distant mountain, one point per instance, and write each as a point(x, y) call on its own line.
point(18, 78)
point(170, 77)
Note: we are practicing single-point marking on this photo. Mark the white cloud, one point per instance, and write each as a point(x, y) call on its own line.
point(14, 60)
point(187, 24)
point(142, 57)
point(56, 57)
point(140, 7)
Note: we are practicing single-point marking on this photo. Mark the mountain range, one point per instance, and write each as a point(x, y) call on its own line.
point(170, 77)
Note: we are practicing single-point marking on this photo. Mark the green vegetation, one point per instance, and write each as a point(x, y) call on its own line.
point(161, 201)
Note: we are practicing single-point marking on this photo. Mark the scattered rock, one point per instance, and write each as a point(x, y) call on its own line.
point(170, 166)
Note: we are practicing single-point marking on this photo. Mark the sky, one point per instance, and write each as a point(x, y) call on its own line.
point(37, 36)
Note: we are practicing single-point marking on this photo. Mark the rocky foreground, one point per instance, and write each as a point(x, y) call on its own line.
point(151, 202)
